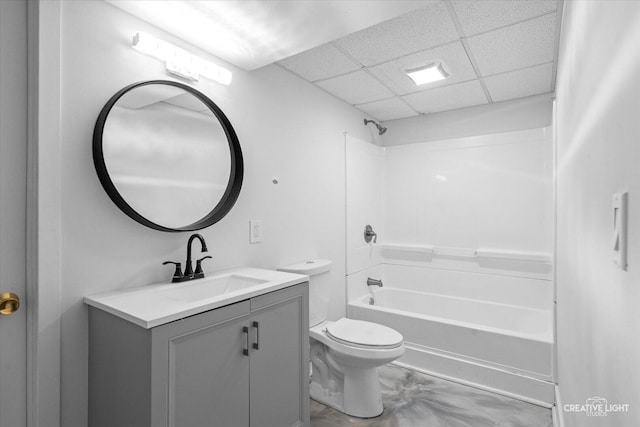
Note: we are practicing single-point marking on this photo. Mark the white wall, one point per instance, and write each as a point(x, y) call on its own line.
point(598, 154)
point(533, 112)
point(286, 127)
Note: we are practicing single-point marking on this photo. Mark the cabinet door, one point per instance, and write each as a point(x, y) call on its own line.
point(279, 365)
point(207, 374)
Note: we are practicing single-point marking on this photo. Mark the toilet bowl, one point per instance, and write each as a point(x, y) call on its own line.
point(345, 358)
point(346, 353)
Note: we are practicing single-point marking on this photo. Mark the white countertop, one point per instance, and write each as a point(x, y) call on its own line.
point(153, 305)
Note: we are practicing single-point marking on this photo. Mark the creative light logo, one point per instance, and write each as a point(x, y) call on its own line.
point(596, 407)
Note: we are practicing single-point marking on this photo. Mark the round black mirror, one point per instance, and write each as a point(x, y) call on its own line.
point(167, 156)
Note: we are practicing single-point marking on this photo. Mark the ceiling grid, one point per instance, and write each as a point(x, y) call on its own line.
point(495, 50)
point(556, 47)
point(467, 49)
point(373, 76)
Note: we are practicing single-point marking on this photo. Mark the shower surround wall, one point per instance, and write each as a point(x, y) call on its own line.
point(492, 191)
point(365, 176)
point(467, 220)
point(489, 194)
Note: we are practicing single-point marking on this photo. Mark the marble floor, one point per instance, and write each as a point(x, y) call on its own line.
point(413, 399)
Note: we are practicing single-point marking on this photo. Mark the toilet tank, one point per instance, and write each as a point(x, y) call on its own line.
point(318, 271)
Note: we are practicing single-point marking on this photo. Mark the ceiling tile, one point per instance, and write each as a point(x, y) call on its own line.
point(356, 88)
point(477, 16)
point(520, 83)
point(409, 33)
point(448, 97)
point(518, 46)
point(319, 63)
point(388, 109)
point(453, 55)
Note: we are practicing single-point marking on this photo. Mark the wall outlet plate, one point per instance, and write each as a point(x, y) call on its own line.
point(255, 231)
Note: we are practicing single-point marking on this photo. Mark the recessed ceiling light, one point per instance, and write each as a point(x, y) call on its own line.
point(428, 73)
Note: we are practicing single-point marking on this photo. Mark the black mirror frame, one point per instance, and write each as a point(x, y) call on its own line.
point(232, 191)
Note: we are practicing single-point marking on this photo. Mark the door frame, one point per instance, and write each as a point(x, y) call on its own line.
point(43, 293)
point(13, 177)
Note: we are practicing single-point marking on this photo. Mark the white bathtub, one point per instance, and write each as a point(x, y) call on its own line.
point(503, 319)
point(501, 347)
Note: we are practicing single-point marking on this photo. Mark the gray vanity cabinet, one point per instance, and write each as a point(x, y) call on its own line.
point(199, 372)
point(279, 392)
point(244, 365)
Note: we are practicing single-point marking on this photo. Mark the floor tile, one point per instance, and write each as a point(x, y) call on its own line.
point(413, 399)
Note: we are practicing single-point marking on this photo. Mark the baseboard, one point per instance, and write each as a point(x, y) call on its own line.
point(499, 381)
point(556, 411)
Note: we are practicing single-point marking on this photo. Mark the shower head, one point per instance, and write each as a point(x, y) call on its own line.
point(381, 129)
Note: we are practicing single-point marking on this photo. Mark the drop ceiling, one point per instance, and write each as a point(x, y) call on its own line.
point(358, 51)
point(494, 51)
point(254, 33)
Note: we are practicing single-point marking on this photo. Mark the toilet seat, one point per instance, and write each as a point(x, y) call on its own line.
point(358, 333)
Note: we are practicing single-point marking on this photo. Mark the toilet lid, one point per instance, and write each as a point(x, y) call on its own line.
point(361, 333)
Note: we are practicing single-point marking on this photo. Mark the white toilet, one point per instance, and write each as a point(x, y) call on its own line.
point(345, 354)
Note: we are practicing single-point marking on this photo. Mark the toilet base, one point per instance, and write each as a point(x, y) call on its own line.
point(335, 400)
point(331, 399)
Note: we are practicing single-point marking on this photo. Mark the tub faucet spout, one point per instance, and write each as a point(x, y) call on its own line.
point(374, 282)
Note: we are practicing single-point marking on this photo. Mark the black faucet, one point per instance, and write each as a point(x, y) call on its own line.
point(188, 270)
point(189, 274)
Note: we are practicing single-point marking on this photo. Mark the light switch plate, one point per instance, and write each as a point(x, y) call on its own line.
point(255, 231)
point(620, 206)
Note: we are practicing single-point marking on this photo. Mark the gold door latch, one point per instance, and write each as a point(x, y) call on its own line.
point(9, 302)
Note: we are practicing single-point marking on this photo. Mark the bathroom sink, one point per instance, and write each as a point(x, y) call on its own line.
point(156, 304)
point(207, 288)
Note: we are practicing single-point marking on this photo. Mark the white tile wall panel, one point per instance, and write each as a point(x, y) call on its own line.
point(482, 191)
point(320, 63)
point(518, 46)
point(480, 16)
point(365, 179)
point(454, 56)
point(356, 88)
point(520, 83)
point(388, 109)
point(446, 98)
point(412, 32)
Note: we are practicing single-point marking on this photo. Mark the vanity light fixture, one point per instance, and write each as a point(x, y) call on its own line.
point(179, 61)
point(428, 73)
